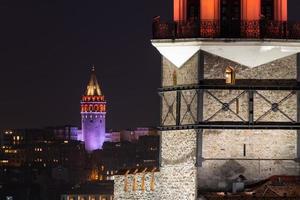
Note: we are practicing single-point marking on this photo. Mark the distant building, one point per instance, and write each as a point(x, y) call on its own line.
point(102, 190)
point(93, 111)
point(65, 132)
point(135, 134)
point(41, 148)
point(130, 135)
point(113, 136)
point(116, 156)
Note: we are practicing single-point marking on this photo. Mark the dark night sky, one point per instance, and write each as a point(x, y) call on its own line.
point(47, 48)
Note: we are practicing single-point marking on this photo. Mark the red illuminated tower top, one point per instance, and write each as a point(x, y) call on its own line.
point(93, 100)
point(238, 9)
point(227, 19)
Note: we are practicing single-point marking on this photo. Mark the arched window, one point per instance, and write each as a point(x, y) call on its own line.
point(230, 75)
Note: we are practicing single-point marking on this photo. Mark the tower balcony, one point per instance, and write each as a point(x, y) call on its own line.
point(247, 29)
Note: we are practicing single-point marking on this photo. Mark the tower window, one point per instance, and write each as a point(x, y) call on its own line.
point(174, 78)
point(230, 75)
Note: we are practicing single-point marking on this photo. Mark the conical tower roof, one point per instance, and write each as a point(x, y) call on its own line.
point(93, 88)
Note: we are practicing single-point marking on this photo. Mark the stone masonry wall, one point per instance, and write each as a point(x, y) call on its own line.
point(255, 154)
point(177, 177)
point(285, 68)
point(173, 76)
point(266, 153)
point(187, 74)
point(178, 171)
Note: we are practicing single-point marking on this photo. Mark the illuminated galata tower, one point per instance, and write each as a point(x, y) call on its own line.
point(230, 99)
point(93, 111)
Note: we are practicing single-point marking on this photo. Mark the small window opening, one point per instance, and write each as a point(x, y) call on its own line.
point(245, 150)
point(174, 78)
point(230, 75)
point(237, 106)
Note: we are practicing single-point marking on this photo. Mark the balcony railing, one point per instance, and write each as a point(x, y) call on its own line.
point(256, 29)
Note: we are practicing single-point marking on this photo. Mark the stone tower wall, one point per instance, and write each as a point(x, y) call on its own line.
point(93, 130)
point(177, 178)
point(255, 154)
point(178, 172)
point(224, 154)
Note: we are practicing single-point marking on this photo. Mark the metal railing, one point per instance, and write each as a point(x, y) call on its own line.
point(256, 29)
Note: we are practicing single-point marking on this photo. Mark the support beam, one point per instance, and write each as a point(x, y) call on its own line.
point(199, 148)
point(160, 149)
point(298, 69)
point(298, 106)
point(283, 85)
point(251, 107)
point(236, 125)
point(178, 107)
point(199, 132)
point(200, 66)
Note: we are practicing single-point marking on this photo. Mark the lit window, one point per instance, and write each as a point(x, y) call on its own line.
point(230, 75)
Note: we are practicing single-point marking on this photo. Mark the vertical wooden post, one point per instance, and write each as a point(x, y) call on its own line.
point(152, 184)
point(143, 179)
point(134, 184)
point(126, 181)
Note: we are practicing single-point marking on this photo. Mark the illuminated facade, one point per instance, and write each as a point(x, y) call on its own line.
point(93, 110)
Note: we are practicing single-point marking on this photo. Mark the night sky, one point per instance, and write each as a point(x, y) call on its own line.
point(47, 49)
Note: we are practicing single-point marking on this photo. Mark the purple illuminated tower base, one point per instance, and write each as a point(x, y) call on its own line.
point(93, 110)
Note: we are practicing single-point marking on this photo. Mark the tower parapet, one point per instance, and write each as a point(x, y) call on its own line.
point(228, 19)
point(93, 111)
